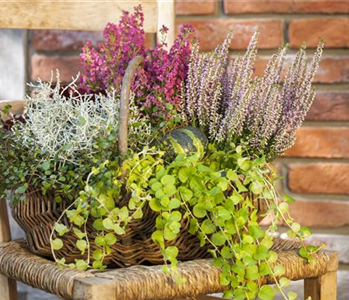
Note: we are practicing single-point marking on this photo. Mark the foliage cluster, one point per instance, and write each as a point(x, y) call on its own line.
point(67, 145)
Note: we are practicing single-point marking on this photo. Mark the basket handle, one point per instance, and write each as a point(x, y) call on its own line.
point(125, 103)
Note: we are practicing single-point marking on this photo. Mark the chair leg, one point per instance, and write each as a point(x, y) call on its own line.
point(321, 288)
point(8, 287)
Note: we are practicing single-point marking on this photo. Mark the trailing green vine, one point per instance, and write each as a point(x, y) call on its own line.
point(217, 194)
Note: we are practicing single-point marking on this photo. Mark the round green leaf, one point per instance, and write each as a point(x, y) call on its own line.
point(266, 292)
point(108, 223)
point(199, 211)
point(208, 227)
point(57, 244)
point(218, 239)
point(110, 238)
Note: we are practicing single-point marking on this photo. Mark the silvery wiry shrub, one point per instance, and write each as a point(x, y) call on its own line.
point(65, 126)
point(230, 105)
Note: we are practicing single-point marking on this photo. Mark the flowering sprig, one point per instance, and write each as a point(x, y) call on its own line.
point(158, 85)
point(229, 105)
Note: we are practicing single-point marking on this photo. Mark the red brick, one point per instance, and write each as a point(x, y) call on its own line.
point(333, 30)
point(195, 7)
point(325, 213)
point(331, 69)
point(41, 67)
point(321, 142)
point(285, 6)
point(319, 178)
point(211, 32)
point(58, 40)
point(330, 106)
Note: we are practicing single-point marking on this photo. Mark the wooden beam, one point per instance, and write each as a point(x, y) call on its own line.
point(8, 287)
point(72, 15)
point(321, 288)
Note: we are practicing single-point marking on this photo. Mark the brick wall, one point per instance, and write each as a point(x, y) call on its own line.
point(316, 169)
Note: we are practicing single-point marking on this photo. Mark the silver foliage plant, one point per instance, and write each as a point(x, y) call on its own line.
point(66, 126)
point(228, 104)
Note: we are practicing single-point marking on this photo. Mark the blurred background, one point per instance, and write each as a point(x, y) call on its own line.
point(316, 170)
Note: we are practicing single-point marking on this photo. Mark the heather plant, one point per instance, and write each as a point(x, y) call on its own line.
point(158, 84)
point(230, 105)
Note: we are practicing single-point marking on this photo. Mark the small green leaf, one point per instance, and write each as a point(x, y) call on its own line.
point(98, 225)
point(57, 244)
point(199, 211)
point(261, 253)
point(118, 229)
point(156, 186)
point(252, 273)
point(98, 265)
point(123, 213)
point(81, 265)
point(284, 282)
point(78, 233)
point(279, 270)
point(218, 239)
point(284, 207)
point(295, 227)
point(98, 254)
point(208, 227)
point(223, 214)
point(168, 180)
point(182, 175)
point(21, 190)
point(289, 199)
point(244, 163)
point(291, 295)
point(158, 237)
point(256, 187)
point(231, 175)
point(155, 205)
point(108, 223)
point(45, 165)
point(266, 292)
point(174, 203)
point(82, 245)
point(100, 241)
point(110, 239)
point(185, 193)
point(61, 229)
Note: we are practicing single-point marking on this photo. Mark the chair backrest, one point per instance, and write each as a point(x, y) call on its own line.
point(81, 15)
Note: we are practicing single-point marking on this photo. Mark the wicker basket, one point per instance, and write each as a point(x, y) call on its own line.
point(38, 214)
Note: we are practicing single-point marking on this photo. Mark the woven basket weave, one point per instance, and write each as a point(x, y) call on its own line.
point(38, 214)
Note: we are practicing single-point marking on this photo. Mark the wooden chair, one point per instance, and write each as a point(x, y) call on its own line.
point(138, 282)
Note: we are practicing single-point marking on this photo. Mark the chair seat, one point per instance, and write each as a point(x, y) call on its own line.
point(142, 282)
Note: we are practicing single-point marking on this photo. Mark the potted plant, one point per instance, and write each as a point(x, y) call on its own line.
point(186, 172)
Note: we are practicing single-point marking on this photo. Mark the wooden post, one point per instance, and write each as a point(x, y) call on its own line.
point(321, 288)
point(8, 287)
point(166, 16)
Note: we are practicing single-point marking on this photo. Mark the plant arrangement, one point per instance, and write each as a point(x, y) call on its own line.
point(203, 132)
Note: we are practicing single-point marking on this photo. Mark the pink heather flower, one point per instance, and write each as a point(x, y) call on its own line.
point(159, 83)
